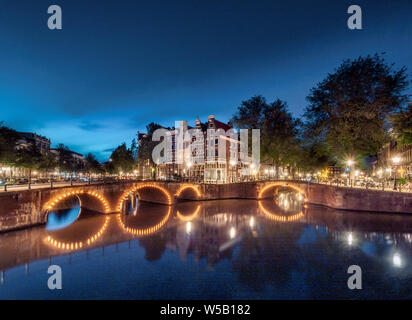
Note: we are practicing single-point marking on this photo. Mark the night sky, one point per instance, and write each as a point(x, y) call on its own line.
point(118, 65)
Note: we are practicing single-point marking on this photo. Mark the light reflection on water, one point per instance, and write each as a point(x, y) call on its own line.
point(60, 219)
point(242, 249)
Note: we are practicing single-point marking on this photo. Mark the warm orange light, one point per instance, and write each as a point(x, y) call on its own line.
point(279, 218)
point(281, 184)
point(79, 244)
point(52, 203)
point(190, 217)
point(146, 231)
point(188, 186)
point(141, 186)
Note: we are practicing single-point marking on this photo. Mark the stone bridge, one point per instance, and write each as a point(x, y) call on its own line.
point(30, 207)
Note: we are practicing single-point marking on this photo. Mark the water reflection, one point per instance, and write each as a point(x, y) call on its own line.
point(62, 218)
point(261, 249)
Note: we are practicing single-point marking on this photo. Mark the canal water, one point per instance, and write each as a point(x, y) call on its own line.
point(229, 249)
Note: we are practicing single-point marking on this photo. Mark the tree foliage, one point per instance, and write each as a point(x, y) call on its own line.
point(278, 129)
point(347, 112)
point(122, 159)
point(402, 126)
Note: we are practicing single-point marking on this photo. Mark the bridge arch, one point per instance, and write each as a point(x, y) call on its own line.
point(137, 188)
point(194, 188)
point(52, 203)
point(281, 184)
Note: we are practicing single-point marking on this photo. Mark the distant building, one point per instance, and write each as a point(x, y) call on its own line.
point(27, 138)
point(71, 159)
point(383, 165)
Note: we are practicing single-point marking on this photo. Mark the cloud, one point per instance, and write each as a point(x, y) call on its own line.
point(91, 126)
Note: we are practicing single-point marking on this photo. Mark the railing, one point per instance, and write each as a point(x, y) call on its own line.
point(385, 186)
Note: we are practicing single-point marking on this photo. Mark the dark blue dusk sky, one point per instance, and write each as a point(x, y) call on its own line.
point(118, 65)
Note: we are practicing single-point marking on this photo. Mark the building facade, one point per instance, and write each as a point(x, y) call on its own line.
point(216, 167)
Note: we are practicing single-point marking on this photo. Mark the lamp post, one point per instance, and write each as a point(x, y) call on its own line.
point(350, 164)
point(396, 161)
point(189, 164)
point(232, 171)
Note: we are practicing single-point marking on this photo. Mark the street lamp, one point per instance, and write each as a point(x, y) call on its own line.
point(350, 163)
point(189, 164)
point(396, 161)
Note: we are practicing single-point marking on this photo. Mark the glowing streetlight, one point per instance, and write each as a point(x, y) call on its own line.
point(188, 227)
point(350, 238)
point(232, 233)
point(252, 222)
point(396, 161)
point(397, 260)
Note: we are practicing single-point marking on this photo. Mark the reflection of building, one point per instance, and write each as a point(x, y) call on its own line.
point(211, 237)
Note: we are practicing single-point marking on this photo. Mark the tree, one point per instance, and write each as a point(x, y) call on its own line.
point(347, 112)
point(279, 129)
point(402, 125)
point(48, 162)
point(64, 159)
point(122, 159)
point(8, 142)
point(92, 165)
point(29, 158)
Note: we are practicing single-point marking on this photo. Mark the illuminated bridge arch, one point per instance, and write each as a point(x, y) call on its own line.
point(140, 187)
point(280, 184)
point(185, 187)
point(51, 204)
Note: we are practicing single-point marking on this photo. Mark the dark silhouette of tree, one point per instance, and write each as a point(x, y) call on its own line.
point(402, 125)
point(347, 112)
point(122, 159)
point(279, 129)
point(92, 165)
point(8, 141)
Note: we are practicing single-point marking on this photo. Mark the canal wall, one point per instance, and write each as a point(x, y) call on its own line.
point(19, 209)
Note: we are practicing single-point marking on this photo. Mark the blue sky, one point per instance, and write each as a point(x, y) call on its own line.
point(118, 65)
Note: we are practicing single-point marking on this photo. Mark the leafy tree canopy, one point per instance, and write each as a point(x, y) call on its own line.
point(348, 110)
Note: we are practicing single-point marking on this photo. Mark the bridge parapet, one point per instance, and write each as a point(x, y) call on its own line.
point(30, 207)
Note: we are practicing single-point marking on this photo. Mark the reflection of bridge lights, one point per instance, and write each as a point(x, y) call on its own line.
point(188, 227)
point(279, 218)
point(141, 186)
point(232, 232)
point(397, 260)
point(145, 231)
point(190, 217)
point(300, 198)
point(252, 222)
point(350, 238)
point(78, 244)
point(52, 203)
